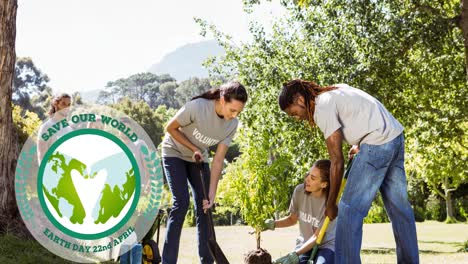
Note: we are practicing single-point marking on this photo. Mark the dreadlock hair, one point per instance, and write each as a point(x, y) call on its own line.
point(55, 100)
point(230, 91)
point(309, 90)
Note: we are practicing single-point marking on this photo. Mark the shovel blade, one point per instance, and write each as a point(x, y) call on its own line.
point(217, 253)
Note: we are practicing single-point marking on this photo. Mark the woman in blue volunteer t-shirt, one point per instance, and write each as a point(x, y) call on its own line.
point(207, 120)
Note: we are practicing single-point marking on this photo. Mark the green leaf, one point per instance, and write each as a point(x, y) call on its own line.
point(144, 149)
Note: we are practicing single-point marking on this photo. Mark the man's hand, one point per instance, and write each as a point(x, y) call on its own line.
point(331, 211)
point(353, 151)
point(269, 224)
point(291, 258)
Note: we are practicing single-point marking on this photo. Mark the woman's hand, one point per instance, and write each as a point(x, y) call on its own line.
point(207, 204)
point(197, 156)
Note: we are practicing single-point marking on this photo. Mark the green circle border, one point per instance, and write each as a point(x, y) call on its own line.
point(129, 154)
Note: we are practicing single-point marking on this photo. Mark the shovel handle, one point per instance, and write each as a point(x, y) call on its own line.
point(198, 160)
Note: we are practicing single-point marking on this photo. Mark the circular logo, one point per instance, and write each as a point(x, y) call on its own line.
point(89, 183)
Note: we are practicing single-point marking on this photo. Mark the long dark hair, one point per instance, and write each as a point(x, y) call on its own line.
point(55, 100)
point(324, 167)
point(230, 91)
point(308, 90)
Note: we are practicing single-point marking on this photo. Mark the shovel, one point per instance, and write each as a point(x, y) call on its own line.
point(327, 220)
point(213, 246)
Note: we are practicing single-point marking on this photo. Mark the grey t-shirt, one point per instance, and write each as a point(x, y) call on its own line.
point(361, 117)
point(310, 211)
point(202, 126)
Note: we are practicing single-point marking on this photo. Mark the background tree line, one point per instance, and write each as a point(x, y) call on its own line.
point(148, 98)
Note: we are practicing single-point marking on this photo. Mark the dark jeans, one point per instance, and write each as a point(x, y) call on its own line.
point(179, 174)
point(324, 256)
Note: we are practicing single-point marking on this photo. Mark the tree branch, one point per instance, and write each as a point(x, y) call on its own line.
point(436, 189)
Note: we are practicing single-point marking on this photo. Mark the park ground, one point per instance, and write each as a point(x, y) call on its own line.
point(438, 243)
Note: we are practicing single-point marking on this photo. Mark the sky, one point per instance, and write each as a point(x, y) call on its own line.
point(81, 45)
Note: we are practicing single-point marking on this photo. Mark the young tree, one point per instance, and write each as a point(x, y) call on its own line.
point(257, 184)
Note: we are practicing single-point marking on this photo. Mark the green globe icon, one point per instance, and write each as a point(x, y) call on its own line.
point(88, 193)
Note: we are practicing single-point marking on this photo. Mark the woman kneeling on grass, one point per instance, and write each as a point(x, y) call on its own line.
point(308, 205)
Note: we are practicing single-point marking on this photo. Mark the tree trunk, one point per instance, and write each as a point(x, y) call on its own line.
point(464, 28)
point(9, 215)
point(448, 202)
point(258, 237)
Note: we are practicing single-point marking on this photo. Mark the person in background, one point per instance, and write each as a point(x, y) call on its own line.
point(57, 112)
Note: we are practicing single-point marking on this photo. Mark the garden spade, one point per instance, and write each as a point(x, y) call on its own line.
point(213, 246)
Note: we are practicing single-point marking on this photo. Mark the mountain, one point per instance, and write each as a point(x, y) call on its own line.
point(186, 61)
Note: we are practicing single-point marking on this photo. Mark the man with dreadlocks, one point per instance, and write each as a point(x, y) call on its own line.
point(344, 113)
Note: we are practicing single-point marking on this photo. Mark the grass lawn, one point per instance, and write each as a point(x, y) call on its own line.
point(17, 251)
point(438, 243)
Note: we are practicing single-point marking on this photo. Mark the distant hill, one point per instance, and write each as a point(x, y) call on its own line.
point(183, 63)
point(186, 61)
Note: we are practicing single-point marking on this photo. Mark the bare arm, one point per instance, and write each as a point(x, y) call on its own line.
point(287, 221)
point(216, 169)
point(334, 145)
point(309, 244)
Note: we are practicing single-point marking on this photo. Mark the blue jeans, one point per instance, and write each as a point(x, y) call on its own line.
point(324, 256)
point(179, 173)
point(376, 167)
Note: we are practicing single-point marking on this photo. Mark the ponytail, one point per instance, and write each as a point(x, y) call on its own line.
point(229, 91)
point(212, 94)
